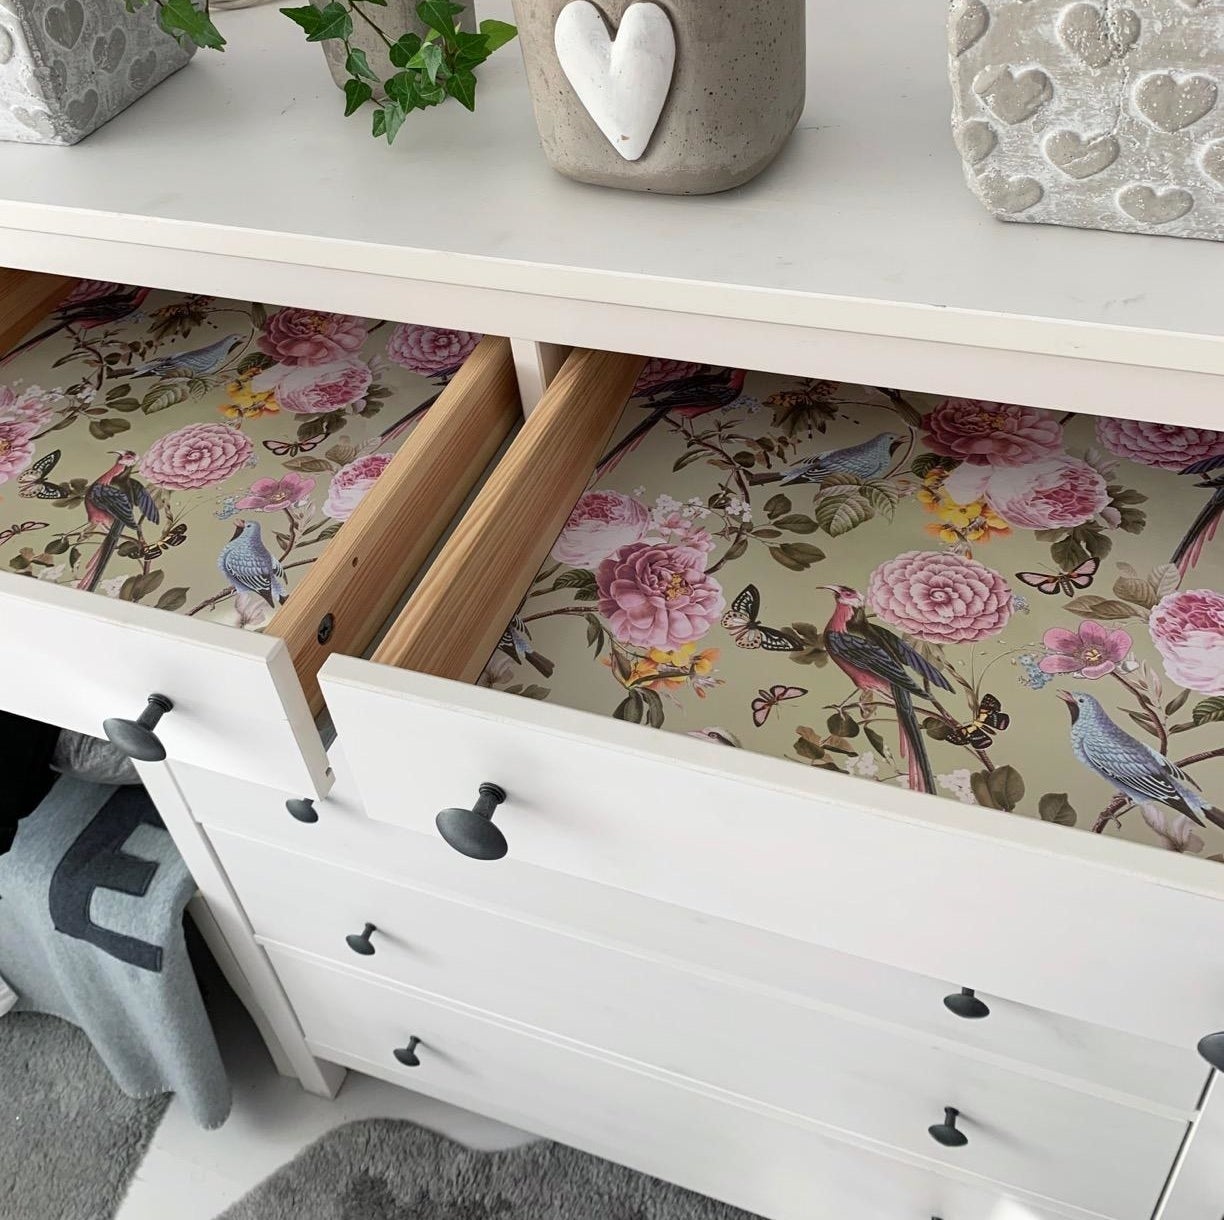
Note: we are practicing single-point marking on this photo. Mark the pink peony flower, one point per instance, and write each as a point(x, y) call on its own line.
point(1091, 652)
point(991, 433)
point(600, 523)
point(350, 483)
point(16, 447)
point(1054, 493)
point(658, 596)
point(430, 350)
point(31, 406)
point(268, 495)
point(305, 336)
point(657, 373)
point(1188, 630)
point(315, 389)
point(1165, 446)
point(198, 455)
point(940, 596)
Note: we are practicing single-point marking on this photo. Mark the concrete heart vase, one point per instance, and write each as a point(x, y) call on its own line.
point(68, 66)
point(683, 97)
point(1102, 114)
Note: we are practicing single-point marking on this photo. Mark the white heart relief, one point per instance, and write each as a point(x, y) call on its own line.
point(622, 81)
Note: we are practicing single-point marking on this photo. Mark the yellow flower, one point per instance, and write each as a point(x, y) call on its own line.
point(975, 522)
point(662, 670)
point(245, 403)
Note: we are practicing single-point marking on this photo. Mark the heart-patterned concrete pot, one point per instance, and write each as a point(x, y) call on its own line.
point(68, 66)
point(1103, 114)
point(692, 97)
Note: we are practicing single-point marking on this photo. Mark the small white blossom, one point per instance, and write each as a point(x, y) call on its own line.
point(866, 765)
point(52, 573)
point(958, 785)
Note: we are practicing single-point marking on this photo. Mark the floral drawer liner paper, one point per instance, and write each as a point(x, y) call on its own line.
point(1005, 606)
point(197, 454)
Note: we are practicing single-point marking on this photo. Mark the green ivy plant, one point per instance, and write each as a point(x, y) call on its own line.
point(430, 69)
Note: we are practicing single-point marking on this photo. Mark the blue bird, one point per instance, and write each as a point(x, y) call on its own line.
point(197, 363)
point(1133, 768)
point(250, 567)
point(866, 460)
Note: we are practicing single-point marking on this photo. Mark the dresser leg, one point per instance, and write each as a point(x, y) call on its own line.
point(535, 365)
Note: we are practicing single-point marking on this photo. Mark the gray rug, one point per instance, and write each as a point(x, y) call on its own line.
point(386, 1169)
point(69, 1139)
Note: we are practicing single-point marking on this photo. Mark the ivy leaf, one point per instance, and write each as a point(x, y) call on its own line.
point(428, 60)
point(401, 89)
point(1208, 711)
point(396, 114)
point(497, 34)
point(356, 94)
point(181, 19)
point(322, 24)
point(403, 49)
point(439, 15)
point(1091, 606)
point(462, 87)
point(1055, 807)
point(356, 64)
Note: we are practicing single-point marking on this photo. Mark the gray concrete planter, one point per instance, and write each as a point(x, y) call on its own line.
point(1102, 115)
point(736, 92)
point(68, 66)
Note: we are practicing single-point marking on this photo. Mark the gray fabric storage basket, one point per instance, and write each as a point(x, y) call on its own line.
point(68, 66)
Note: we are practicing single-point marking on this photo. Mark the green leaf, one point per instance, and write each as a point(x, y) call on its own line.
point(873, 736)
point(936, 729)
point(838, 513)
point(1164, 579)
point(57, 546)
point(1208, 711)
point(981, 789)
point(430, 94)
point(356, 94)
point(308, 465)
point(796, 523)
point(776, 506)
point(307, 16)
point(1055, 807)
point(1006, 787)
point(497, 33)
point(581, 581)
point(1091, 606)
point(172, 599)
point(439, 15)
point(1068, 553)
point(462, 87)
point(402, 89)
point(796, 556)
point(924, 463)
point(842, 725)
point(1134, 589)
point(356, 64)
point(329, 22)
point(378, 126)
point(182, 20)
point(136, 587)
point(428, 60)
point(654, 707)
point(396, 114)
point(735, 550)
point(632, 708)
point(881, 498)
point(117, 391)
point(104, 429)
point(1176, 703)
point(167, 394)
point(403, 49)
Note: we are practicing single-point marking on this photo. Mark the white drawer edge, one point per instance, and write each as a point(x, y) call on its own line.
point(840, 792)
point(524, 1119)
point(1088, 1088)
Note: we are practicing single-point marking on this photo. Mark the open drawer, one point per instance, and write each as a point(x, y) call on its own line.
point(733, 543)
point(174, 468)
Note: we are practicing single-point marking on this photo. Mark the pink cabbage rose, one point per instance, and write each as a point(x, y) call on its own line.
point(991, 433)
point(1090, 652)
point(654, 595)
point(940, 596)
point(350, 483)
point(197, 455)
point(430, 350)
point(657, 372)
point(316, 389)
point(268, 495)
point(306, 336)
point(1165, 446)
point(1054, 493)
point(1188, 630)
point(601, 522)
point(22, 414)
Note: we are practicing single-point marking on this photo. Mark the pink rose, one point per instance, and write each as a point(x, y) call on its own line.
point(16, 448)
point(1054, 493)
point(601, 522)
point(198, 455)
point(430, 350)
point(350, 483)
point(1165, 446)
point(658, 596)
point(657, 373)
point(1188, 630)
point(991, 433)
point(1090, 652)
point(940, 596)
point(268, 495)
point(23, 413)
point(306, 336)
point(315, 389)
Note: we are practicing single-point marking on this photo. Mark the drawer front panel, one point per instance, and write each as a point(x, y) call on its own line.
point(861, 1078)
point(272, 885)
point(969, 894)
point(76, 659)
point(755, 1160)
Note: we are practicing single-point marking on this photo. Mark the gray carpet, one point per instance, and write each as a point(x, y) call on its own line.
point(69, 1139)
point(386, 1169)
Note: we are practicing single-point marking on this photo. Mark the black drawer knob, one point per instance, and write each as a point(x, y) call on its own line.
point(360, 942)
point(965, 1004)
point(946, 1133)
point(136, 737)
point(1212, 1049)
point(471, 831)
point(302, 808)
point(407, 1054)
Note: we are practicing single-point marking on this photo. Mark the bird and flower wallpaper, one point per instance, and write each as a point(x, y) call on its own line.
point(197, 454)
point(1009, 607)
